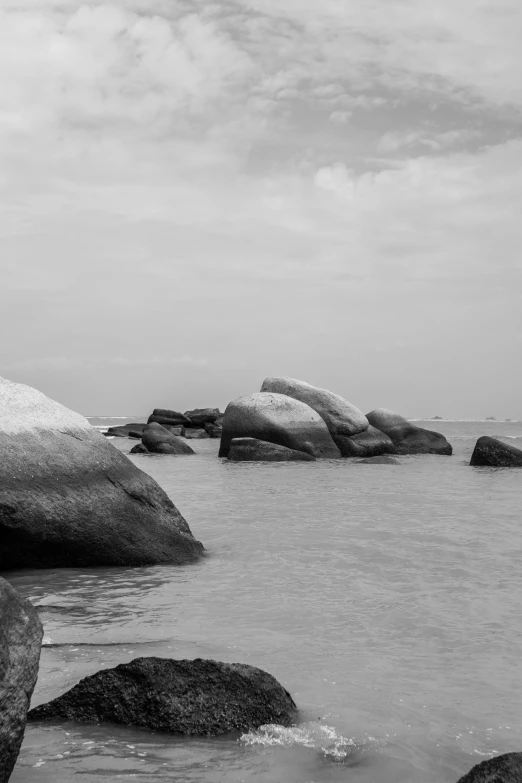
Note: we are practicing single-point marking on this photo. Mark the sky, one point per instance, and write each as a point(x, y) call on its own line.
point(197, 195)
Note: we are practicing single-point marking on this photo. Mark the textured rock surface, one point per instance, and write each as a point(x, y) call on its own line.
point(370, 443)
point(277, 418)
point(68, 497)
point(253, 450)
point(496, 453)
point(201, 416)
point(20, 643)
point(165, 416)
point(506, 768)
point(158, 440)
point(341, 417)
point(407, 437)
point(182, 697)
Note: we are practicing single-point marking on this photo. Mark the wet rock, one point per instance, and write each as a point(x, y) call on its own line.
point(407, 437)
point(253, 450)
point(69, 498)
point(197, 434)
point(139, 448)
point(181, 697)
point(201, 416)
point(159, 440)
point(20, 643)
point(495, 453)
point(166, 416)
point(506, 768)
point(277, 418)
point(370, 443)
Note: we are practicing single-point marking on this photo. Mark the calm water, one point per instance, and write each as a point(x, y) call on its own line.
point(386, 598)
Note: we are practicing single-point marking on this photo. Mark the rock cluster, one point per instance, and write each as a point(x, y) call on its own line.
point(196, 424)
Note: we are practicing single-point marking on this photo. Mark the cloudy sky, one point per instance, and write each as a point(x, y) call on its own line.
point(195, 195)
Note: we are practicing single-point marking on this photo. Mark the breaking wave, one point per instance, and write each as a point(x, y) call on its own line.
point(309, 735)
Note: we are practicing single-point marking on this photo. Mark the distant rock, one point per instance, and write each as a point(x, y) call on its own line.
point(490, 418)
point(125, 430)
point(159, 440)
point(370, 443)
point(69, 498)
point(214, 430)
point(495, 453)
point(407, 437)
point(139, 448)
point(20, 644)
point(202, 697)
point(165, 416)
point(253, 450)
point(506, 768)
point(341, 417)
point(437, 418)
point(191, 433)
point(201, 416)
point(277, 418)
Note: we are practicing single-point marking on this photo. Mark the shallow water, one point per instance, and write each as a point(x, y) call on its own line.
point(386, 598)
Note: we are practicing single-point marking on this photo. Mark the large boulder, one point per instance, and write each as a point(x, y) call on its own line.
point(182, 697)
point(253, 450)
point(495, 453)
point(69, 498)
point(277, 418)
point(407, 437)
point(370, 443)
point(20, 644)
point(159, 440)
point(201, 416)
point(341, 417)
point(506, 768)
point(166, 416)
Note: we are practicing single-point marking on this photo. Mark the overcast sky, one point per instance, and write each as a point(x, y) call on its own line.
point(195, 195)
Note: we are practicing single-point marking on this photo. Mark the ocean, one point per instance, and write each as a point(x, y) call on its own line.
point(387, 598)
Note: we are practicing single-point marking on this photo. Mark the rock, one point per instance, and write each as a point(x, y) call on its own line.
point(341, 417)
point(495, 453)
point(201, 416)
point(370, 443)
point(20, 644)
point(490, 418)
point(125, 430)
point(139, 448)
point(69, 498)
point(384, 460)
point(179, 431)
point(253, 450)
point(159, 440)
point(214, 430)
point(506, 768)
point(195, 433)
point(277, 418)
point(407, 437)
point(165, 416)
point(181, 697)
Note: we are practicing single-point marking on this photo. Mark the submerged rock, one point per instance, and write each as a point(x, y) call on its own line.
point(20, 644)
point(506, 768)
point(254, 450)
point(159, 440)
point(407, 437)
point(370, 443)
point(181, 697)
point(69, 498)
point(277, 418)
point(495, 453)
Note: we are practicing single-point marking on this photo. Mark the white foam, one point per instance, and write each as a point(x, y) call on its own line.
point(308, 735)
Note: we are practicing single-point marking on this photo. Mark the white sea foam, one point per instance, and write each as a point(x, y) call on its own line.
point(309, 735)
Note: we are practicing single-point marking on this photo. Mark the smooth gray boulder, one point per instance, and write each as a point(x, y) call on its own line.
point(496, 454)
point(69, 498)
point(277, 418)
point(158, 440)
point(407, 437)
point(341, 417)
point(506, 768)
point(370, 443)
point(202, 697)
point(253, 450)
point(20, 644)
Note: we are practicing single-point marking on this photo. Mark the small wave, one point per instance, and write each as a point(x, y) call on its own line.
point(309, 735)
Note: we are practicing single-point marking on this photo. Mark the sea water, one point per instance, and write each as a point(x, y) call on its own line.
point(387, 598)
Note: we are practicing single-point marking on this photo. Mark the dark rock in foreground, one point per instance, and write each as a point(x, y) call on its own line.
point(181, 697)
point(370, 443)
point(253, 450)
point(506, 768)
point(69, 498)
point(165, 416)
point(495, 453)
point(20, 644)
point(407, 437)
point(158, 440)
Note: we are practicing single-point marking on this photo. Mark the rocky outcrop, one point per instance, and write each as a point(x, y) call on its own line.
point(341, 417)
point(496, 454)
point(253, 450)
point(181, 697)
point(158, 440)
point(407, 437)
point(370, 443)
point(280, 419)
point(69, 498)
point(201, 416)
point(506, 768)
point(165, 416)
point(20, 643)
